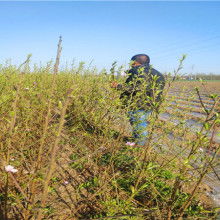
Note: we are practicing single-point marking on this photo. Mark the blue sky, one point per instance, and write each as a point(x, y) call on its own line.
point(108, 31)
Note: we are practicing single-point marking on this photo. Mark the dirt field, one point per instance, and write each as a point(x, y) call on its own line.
point(184, 101)
point(206, 86)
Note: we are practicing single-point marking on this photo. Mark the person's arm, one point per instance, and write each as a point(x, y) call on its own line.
point(116, 85)
point(120, 86)
point(130, 77)
point(161, 78)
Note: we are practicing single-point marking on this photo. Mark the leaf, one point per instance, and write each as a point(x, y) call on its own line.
point(186, 162)
point(60, 105)
point(132, 189)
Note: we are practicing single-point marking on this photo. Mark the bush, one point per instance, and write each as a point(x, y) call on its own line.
point(65, 135)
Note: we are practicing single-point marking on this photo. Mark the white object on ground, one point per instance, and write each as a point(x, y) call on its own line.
point(10, 169)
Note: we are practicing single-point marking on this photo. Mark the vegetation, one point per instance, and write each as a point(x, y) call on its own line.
point(65, 137)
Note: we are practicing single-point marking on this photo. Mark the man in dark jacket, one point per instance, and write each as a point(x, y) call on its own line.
point(141, 95)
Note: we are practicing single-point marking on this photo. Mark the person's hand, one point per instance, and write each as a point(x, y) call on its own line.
point(114, 84)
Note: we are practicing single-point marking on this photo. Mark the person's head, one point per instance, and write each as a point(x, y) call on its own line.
point(140, 59)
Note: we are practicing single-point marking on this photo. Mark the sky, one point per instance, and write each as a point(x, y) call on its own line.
point(102, 32)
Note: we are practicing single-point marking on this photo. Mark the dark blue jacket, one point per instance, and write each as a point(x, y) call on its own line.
point(137, 77)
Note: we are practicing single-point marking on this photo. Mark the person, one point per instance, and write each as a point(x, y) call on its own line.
point(141, 95)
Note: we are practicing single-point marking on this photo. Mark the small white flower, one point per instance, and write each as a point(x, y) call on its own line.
point(201, 150)
point(65, 182)
point(123, 74)
point(11, 169)
point(130, 144)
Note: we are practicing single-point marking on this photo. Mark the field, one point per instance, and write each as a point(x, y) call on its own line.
point(65, 136)
point(184, 102)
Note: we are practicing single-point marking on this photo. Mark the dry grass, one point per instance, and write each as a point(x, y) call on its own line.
point(65, 135)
